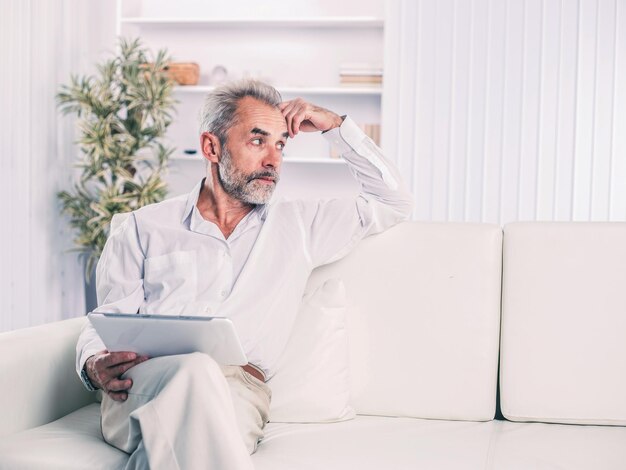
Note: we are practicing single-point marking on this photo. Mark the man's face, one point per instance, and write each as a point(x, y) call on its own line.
point(249, 166)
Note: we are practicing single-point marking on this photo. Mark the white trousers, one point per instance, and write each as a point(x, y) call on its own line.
point(186, 412)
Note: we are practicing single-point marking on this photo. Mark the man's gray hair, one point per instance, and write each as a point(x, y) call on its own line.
point(219, 111)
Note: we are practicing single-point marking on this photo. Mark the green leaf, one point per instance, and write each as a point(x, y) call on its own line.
point(123, 113)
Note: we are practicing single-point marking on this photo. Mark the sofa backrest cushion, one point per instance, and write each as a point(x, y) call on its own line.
point(563, 353)
point(424, 320)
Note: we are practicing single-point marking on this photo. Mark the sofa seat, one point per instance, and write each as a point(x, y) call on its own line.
point(541, 446)
point(71, 443)
point(367, 442)
point(373, 442)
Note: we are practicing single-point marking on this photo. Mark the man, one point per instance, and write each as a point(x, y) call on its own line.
point(226, 250)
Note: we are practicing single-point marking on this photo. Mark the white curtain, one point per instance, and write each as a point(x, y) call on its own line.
point(505, 110)
point(42, 42)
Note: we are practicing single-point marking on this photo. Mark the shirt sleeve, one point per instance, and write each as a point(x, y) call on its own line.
point(335, 226)
point(119, 284)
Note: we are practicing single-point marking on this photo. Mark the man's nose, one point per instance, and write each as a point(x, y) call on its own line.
point(273, 158)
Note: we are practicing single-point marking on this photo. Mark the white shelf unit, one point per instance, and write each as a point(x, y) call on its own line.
point(345, 90)
point(286, 22)
point(301, 55)
point(288, 160)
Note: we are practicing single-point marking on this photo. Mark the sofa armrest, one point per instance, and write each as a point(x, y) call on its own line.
point(39, 381)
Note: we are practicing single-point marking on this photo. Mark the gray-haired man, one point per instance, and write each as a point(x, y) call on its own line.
point(226, 249)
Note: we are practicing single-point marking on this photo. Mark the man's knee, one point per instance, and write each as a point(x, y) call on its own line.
point(161, 370)
point(193, 362)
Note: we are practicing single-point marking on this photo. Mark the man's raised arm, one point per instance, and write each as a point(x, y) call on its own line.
point(336, 225)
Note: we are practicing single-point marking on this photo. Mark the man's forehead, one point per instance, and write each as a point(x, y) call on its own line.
point(256, 116)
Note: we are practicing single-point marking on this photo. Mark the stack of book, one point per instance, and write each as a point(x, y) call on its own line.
point(361, 74)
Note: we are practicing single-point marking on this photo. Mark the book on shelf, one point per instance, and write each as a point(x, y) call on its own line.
point(360, 74)
point(360, 80)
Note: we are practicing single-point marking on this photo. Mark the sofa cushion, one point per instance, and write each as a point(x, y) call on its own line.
point(367, 442)
point(424, 327)
point(374, 442)
point(540, 446)
point(312, 383)
point(72, 442)
point(563, 353)
point(371, 442)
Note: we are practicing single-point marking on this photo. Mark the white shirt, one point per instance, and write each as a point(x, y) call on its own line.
point(166, 259)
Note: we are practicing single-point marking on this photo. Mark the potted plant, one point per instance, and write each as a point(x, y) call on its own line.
point(123, 113)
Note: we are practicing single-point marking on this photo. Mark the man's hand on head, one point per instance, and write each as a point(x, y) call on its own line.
point(106, 368)
point(307, 117)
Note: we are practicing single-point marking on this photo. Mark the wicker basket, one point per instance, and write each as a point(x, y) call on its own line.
point(183, 73)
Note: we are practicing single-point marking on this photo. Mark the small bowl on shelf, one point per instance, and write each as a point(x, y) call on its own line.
point(183, 73)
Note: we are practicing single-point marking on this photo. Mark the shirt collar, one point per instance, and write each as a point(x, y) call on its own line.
point(192, 200)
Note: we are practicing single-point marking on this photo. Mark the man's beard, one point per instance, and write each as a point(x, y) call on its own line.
point(244, 186)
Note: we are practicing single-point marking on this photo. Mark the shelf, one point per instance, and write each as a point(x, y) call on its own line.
point(185, 157)
point(305, 22)
point(332, 161)
point(293, 90)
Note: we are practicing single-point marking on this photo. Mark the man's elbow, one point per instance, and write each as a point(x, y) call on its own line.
point(405, 205)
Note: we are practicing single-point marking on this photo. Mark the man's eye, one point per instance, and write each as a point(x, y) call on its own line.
point(257, 141)
point(280, 145)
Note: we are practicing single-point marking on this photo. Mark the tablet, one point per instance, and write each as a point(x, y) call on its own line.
point(165, 335)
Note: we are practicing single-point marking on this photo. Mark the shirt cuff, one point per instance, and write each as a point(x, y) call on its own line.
point(350, 138)
point(86, 354)
point(346, 137)
point(84, 378)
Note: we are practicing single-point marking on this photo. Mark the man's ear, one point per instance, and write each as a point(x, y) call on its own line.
point(210, 146)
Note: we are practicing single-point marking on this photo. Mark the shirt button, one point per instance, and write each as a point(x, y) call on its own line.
point(224, 293)
point(208, 310)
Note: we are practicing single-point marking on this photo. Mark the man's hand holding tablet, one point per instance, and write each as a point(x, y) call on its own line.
point(105, 369)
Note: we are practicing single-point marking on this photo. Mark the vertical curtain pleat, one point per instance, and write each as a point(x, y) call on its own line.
point(44, 42)
point(498, 111)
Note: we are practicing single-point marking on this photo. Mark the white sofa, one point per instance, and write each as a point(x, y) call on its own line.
point(439, 313)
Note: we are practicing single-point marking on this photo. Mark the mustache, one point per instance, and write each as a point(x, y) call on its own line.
point(264, 174)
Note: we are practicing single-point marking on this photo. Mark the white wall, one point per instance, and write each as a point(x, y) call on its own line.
point(504, 110)
point(42, 42)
